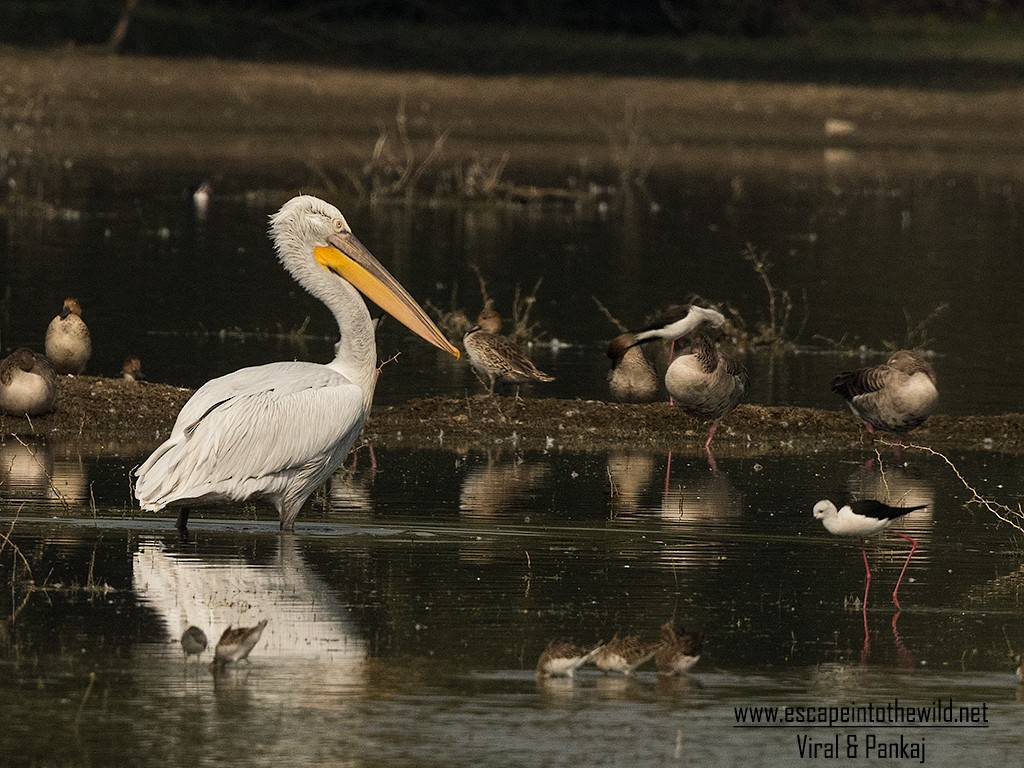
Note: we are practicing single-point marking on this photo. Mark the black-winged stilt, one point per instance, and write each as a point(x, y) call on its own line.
point(863, 518)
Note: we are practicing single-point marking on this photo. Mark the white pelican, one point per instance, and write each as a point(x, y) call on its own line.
point(896, 396)
point(278, 431)
point(679, 650)
point(496, 356)
point(862, 519)
point(68, 343)
point(28, 384)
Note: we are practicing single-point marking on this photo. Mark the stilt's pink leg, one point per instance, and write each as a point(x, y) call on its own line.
point(865, 651)
point(913, 548)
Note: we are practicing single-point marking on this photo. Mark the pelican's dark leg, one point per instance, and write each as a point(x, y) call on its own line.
point(182, 523)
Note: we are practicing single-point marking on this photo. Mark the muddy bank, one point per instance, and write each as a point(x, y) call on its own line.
point(124, 113)
point(96, 415)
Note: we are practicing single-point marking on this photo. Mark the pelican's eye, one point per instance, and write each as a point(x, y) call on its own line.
point(339, 225)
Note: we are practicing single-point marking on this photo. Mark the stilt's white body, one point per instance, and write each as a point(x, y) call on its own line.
point(844, 521)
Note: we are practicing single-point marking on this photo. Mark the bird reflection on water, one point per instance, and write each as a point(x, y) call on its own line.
point(303, 617)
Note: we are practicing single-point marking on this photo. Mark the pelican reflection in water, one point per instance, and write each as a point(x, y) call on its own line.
point(279, 431)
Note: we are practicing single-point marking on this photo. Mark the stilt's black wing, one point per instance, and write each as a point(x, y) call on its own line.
point(880, 511)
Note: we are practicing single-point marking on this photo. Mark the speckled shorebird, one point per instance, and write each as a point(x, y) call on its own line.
point(632, 378)
point(131, 370)
point(235, 644)
point(28, 384)
point(624, 654)
point(679, 650)
point(864, 518)
point(895, 397)
point(193, 641)
point(495, 357)
point(562, 659)
point(68, 344)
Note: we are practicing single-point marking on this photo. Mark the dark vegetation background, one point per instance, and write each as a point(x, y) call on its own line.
point(670, 37)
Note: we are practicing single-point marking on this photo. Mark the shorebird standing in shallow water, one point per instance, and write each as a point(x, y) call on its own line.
point(861, 519)
point(895, 396)
point(68, 343)
point(28, 384)
point(624, 654)
point(496, 357)
point(678, 651)
point(193, 641)
point(235, 644)
point(562, 659)
point(632, 378)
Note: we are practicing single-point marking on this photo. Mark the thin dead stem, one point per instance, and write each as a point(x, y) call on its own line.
point(1008, 515)
point(49, 479)
point(609, 316)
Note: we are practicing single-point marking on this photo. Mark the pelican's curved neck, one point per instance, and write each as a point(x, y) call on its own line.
point(355, 354)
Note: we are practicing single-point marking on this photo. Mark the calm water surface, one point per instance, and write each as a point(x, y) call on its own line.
point(407, 612)
point(863, 256)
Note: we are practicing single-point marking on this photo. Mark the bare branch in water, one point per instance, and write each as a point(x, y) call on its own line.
point(1008, 515)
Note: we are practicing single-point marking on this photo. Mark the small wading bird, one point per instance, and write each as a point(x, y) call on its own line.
point(864, 518)
point(678, 651)
point(894, 397)
point(624, 654)
point(201, 197)
point(28, 384)
point(632, 378)
point(235, 644)
point(68, 343)
point(279, 431)
point(562, 659)
point(131, 370)
point(495, 357)
point(193, 642)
